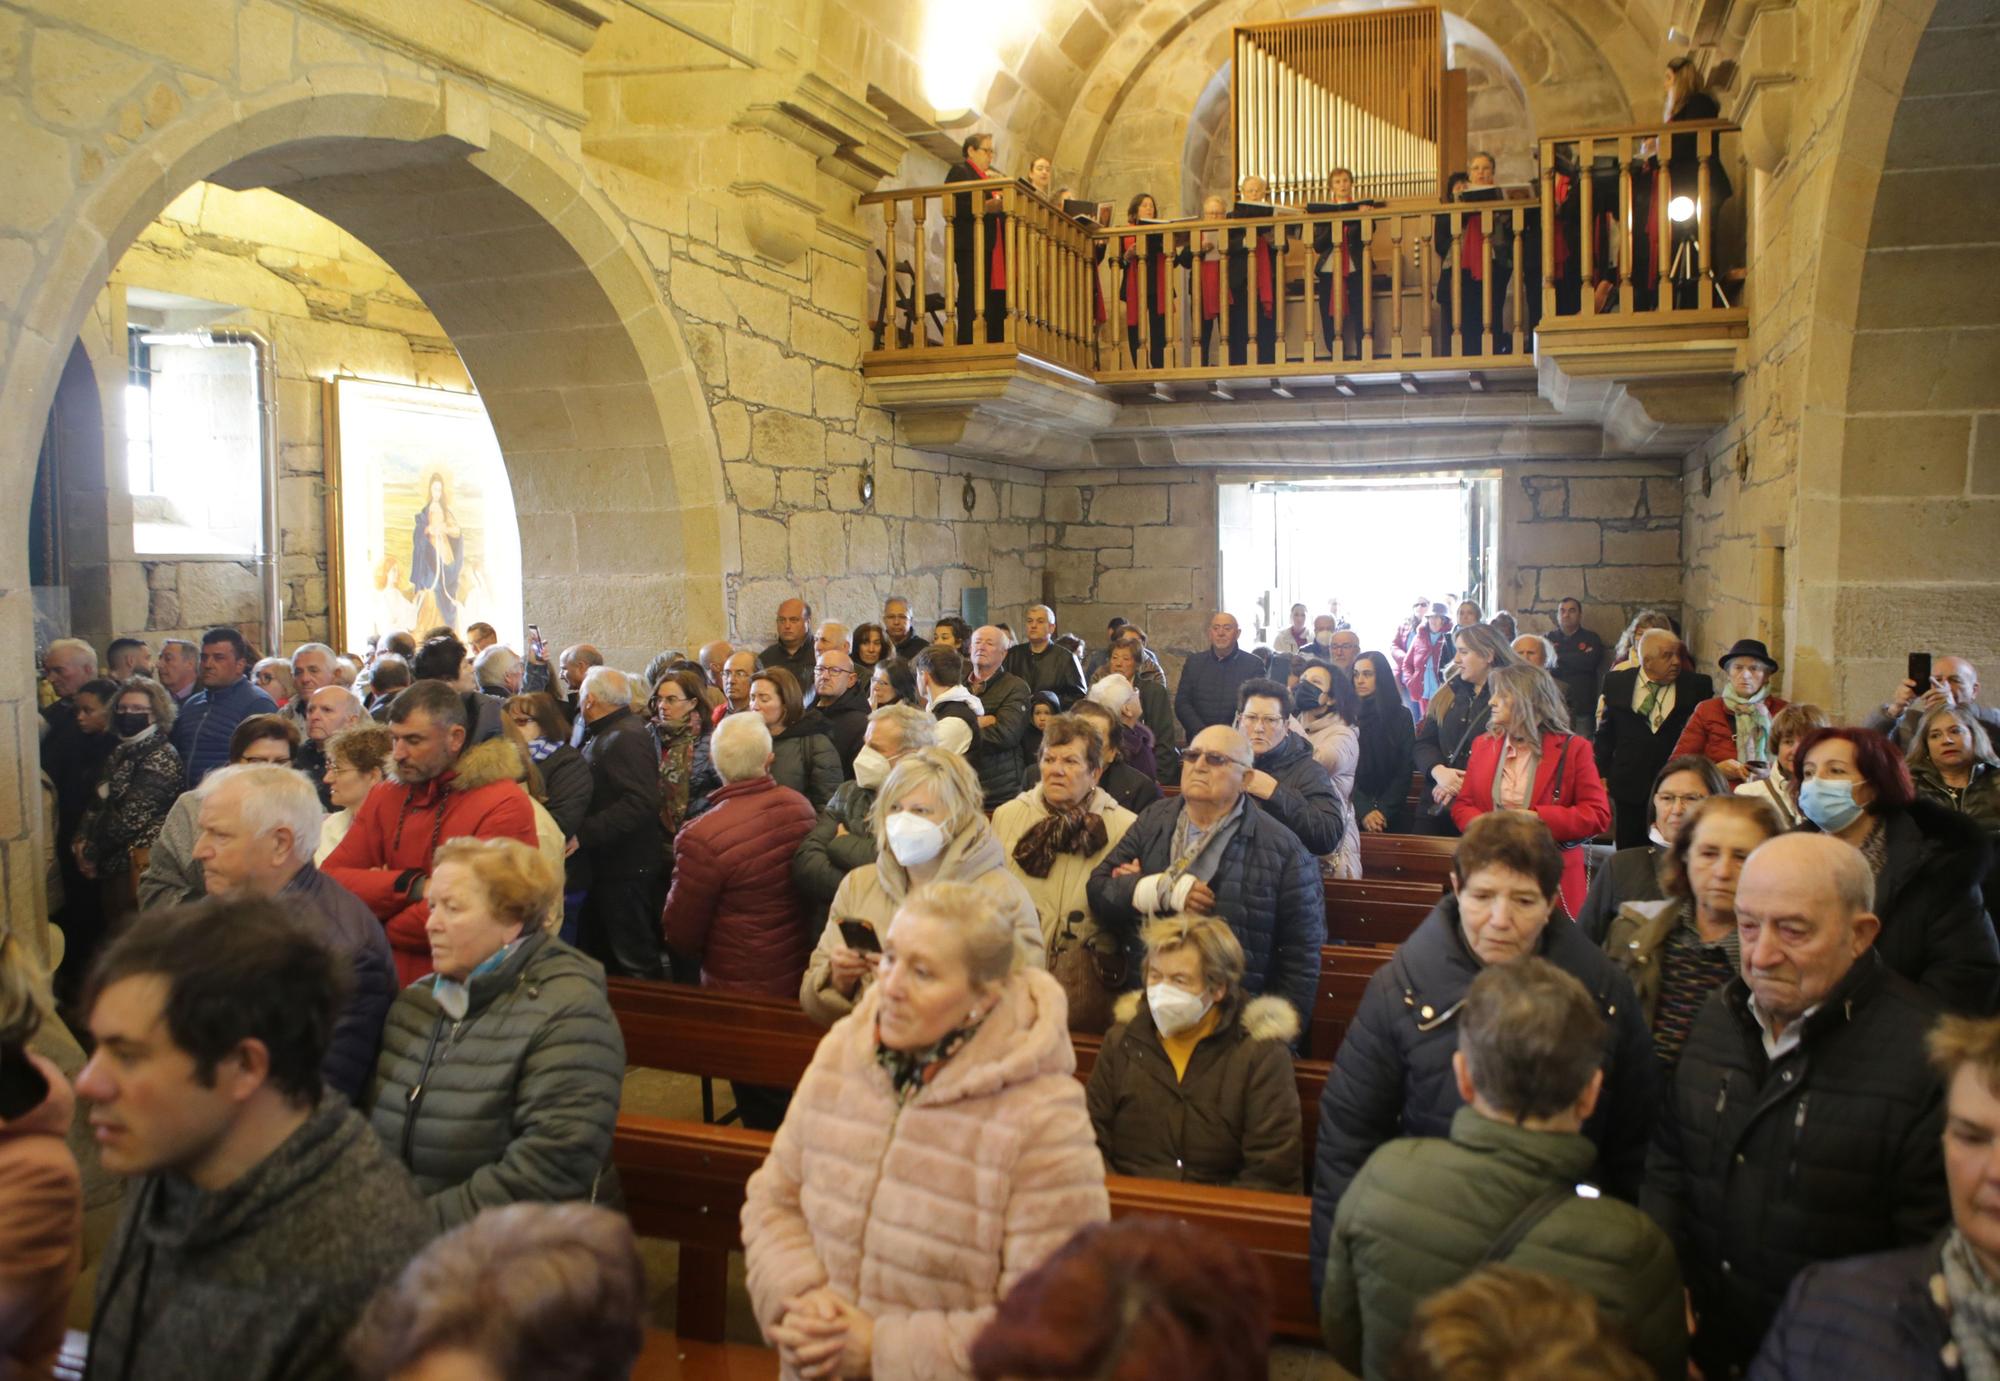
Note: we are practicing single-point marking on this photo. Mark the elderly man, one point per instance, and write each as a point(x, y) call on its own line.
point(1006, 706)
point(442, 789)
point(712, 657)
point(1343, 649)
point(67, 664)
point(896, 625)
point(1583, 658)
point(479, 637)
point(841, 698)
point(843, 839)
point(738, 670)
point(831, 633)
point(1954, 681)
point(345, 671)
point(571, 664)
point(226, 698)
point(128, 657)
point(1426, 1211)
point(1645, 709)
point(312, 668)
point(179, 668)
point(1537, 651)
point(261, 1216)
point(259, 826)
point(330, 709)
point(1208, 851)
point(734, 907)
point(498, 670)
point(1209, 680)
point(1285, 779)
point(620, 839)
point(1043, 663)
point(793, 650)
point(1804, 1124)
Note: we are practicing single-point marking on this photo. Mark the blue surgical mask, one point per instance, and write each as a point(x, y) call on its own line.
point(1306, 696)
point(1829, 804)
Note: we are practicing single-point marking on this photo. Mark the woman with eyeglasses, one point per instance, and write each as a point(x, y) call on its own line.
point(676, 716)
point(893, 682)
point(141, 779)
point(1633, 875)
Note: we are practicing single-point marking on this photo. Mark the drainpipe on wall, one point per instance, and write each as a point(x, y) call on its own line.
point(267, 425)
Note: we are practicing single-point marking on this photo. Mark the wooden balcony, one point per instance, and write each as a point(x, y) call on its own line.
point(1005, 329)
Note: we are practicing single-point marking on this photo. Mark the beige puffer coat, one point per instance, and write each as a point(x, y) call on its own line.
point(1061, 892)
point(872, 893)
point(925, 1216)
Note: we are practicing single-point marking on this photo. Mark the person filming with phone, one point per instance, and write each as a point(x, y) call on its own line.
point(1949, 680)
point(929, 825)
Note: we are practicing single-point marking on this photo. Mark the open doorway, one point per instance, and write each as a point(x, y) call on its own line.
point(1374, 545)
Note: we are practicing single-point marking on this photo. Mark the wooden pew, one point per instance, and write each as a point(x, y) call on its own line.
point(684, 1181)
point(1371, 911)
point(1412, 858)
point(1344, 971)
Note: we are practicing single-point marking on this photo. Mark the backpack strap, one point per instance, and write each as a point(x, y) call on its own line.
point(1525, 1221)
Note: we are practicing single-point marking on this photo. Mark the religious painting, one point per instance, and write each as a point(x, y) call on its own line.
point(421, 514)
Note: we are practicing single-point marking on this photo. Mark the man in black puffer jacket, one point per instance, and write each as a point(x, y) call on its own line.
point(1286, 779)
point(1393, 1075)
point(1006, 708)
point(1804, 1123)
point(1210, 851)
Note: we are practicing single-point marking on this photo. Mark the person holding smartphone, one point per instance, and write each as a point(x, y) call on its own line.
point(1949, 680)
point(1733, 729)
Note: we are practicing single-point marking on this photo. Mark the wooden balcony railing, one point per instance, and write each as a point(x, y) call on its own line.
point(975, 275)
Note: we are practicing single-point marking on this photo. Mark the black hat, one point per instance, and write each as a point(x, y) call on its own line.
point(1747, 647)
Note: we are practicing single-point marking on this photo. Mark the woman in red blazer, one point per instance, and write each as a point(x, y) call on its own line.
point(1529, 760)
point(1733, 730)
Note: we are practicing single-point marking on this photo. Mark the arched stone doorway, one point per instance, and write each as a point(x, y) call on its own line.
point(537, 280)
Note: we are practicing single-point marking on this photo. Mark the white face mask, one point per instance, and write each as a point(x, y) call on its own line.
point(914, 840)
point(871, 769)
point(1174, 1009)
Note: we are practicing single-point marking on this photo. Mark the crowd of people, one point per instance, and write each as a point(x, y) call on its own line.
point(335, 933)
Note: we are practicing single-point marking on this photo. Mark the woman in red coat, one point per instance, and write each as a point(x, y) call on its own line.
point(1529, 760)
point(1733, 730)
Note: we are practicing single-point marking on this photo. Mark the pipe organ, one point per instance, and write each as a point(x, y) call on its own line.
point(1362, 91)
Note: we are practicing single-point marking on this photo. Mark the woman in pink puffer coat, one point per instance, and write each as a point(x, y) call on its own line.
point(937, 1149)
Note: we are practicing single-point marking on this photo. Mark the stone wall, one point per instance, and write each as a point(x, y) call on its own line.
point(1608, 533)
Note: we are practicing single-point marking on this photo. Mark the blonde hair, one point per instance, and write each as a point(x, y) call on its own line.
point(1502, 1323)
point(517, 884)
point(156, 696)
point(1956, 1042)
point(982, 929)
point(946, 773)
point(1214, 943)
point(1535, 699)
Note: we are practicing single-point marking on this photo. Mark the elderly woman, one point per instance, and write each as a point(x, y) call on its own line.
point(1456, 719)
point(500, 1071)
point(1381, 798)
point(357, 761)
point(937, 1149)
point(1135, 742)
point(172, 875)
point(1952, 763)
point(929, 826)
point(1927, 860)
point(678, 717)
point(1195, 1082)
point(1529, 760)
point(804, 756)
point(1682, 947)
point(1393, 1074)
point(1330, 713)
point(273, 676)
point(141, 780)
point(1779, 788)
point(1733, 730)
point(1053, 835)
point(1156, 703)
point(1633, 875)
point(1121, 781)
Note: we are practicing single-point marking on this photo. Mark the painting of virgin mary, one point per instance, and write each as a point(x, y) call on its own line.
point(437, 551)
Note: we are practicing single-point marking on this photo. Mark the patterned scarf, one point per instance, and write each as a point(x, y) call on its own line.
point(676, 767)
point(540, 748)
point(1973, 1310)
point(912, 1071)
point(1077, 830)
point(1753, 723)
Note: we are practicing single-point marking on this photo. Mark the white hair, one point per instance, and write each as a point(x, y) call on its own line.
point(918, 730)
point(274, 797)
point(303, 648)
point(62, 649)
point(1548, 650)
point(608, 685)
point(1654, 635)
point(740, 746)
point(356, 711)
point(493, 666)
point(1112, 691)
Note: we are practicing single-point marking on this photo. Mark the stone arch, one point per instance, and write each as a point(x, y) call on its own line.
point(530, 270)
point(1899, 426)
point(1130, 119)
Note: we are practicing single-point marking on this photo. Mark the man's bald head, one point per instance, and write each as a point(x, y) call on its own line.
point(1804, 914)
point(1213, 768)
point(713, 655)
point(331, 709)
point(576, 660)
point(1961, 676)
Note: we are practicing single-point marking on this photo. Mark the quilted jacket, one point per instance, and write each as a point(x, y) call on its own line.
point(733, 904)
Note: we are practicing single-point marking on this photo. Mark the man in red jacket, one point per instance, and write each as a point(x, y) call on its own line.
point(439, 791)
point(732, 905)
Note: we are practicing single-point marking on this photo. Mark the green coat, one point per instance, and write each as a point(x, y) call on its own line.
point(1423, 1212)
point(1633, 942)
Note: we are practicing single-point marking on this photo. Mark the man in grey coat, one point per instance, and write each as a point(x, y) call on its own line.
point(841, 841)
point(261, 1215)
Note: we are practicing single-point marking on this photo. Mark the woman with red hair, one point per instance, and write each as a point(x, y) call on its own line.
point(1928, 862)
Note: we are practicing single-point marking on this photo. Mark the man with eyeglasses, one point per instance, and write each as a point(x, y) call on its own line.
point(1209, 852)
point(736, 674)
point(1285, 779)
point(842, 701)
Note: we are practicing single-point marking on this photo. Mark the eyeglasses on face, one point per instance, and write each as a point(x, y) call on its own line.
point(1200, 755)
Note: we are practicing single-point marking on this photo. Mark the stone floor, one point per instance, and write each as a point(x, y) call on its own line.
point(658, 1094)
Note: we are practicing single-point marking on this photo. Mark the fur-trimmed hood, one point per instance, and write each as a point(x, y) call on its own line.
point(483, 764)
point(1261, 1018)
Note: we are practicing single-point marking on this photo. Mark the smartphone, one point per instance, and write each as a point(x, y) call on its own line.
point(860, 936)
point(1920, 671)
point(1758, 769)
point(535, 639)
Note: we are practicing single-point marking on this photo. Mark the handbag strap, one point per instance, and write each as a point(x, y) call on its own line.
point(1551, 1199)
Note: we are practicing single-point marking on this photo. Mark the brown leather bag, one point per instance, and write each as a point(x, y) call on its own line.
point(1091, 971)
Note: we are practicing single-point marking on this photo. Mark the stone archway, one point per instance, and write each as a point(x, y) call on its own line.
point(1898, 453)
point(535, 276)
